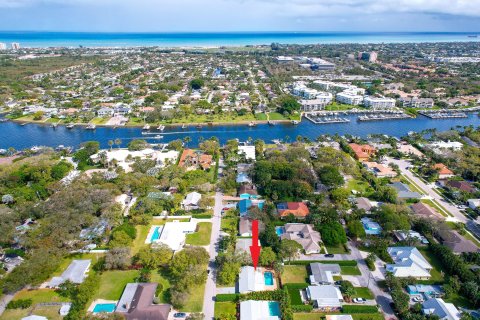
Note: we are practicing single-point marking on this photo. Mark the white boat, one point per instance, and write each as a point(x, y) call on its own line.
point(70, 126)
point(295, 122)
point(184, 126)
point(252, 124)
point(146, 127)
point(161, 127)
point(158, 137)
point(91, 127)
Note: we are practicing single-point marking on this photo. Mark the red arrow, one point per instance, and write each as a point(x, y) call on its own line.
point(255, 248)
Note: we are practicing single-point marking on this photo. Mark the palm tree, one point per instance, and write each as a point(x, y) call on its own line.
point(186, 140)
point(118, 142)
point(110, 143)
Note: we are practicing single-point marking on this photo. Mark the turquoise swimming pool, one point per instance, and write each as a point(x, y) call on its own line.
point(268, 278)
point(156, 233)
point(279, 231)
point(104, 307)
point(274, 308)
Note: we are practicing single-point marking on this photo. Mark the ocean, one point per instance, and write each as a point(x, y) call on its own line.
point(206, 39)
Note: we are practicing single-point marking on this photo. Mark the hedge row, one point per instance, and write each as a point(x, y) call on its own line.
point(302, 308)
point(298, 286)
point(359, 309)
point(227, 297)
point(345, 263)
point(20, 304)
point(202, 216)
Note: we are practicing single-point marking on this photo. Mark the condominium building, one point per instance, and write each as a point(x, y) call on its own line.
point(338, 86)
point(3, 46)
point(422, 103)
point(303, 91)
point(15, 45)
point(378, 102)
point(368, 56)
point(349, 97)
point(319, 103)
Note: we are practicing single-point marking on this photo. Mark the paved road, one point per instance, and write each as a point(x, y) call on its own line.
point(211, 286)
point(4, 301)
point(368, 279)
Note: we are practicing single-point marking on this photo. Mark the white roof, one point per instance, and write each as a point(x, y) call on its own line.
point(408, 262)
point(174, 233)
point(76, 273)
point(192, 199)
point(325, 295)
point(34, 317)
point(255, 310)
point(250, 280)
point(445, 311)
point(338, 317)
point(248, 151)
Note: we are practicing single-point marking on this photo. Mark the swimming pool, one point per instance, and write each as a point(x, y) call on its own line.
point(156, 233)
point(104, 307)
point(268, 278)
point(279, 231)
point(274, 308)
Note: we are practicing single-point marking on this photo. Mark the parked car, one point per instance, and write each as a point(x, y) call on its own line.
point(359, 300)
point(179, 315)
point(329, 255)
point(417, 299)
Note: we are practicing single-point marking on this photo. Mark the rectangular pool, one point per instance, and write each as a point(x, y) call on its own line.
point(274, 308)
point(156, 233)
point(279, 231)
point(104, 307)
point(268, 278)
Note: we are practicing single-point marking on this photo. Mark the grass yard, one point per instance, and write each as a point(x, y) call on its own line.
point(195, 301)
point(139, 242)
point(319, 316)
point(202, 236)
point(358, 185)
point(112, 283)
point(225, 308)
point(350, 271)
point(277, 116)
point(437, 266)
point(460, 301)
point(229, 223)
point(40, 295)
point(50, 313)
point(363, 292)
point(338, 249)
point(158, 277)
point(294, 274)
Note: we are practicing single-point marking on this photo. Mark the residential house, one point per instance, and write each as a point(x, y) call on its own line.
point(456, 242)
point(379, 170)
point(443, 171)
point(76, 272)
point(402, 235)
point(461, 185)
point(245, 205)
point(298, 209)
point(473, 203)
point(425, 211)
point(441, 309)
point(245, 227)
point(173, 234)
point(363, 203)
point(251, 280)
point(105, 112)
point(247, 191)
point(408, 262)
point(303, 234)
point(362, 152)
point(427, 291)
point(122, 109)
point(325, 297)
point(242, 177)
point(404, 192)
point(137, 303)
point(259, 310)
point(243, 245)
point(34, 317)
point(338, 317)
point(408, 149)
point(371, 227)
point(191, 201)
point(191, 160)
point(323, 273)
point(247, 151)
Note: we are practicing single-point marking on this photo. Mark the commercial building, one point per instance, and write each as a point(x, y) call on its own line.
point(378, 102)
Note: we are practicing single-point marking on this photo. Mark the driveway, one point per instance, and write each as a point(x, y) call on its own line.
point(211, 286)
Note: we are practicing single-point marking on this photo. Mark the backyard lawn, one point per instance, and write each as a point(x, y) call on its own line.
point(319, 316)
point(294, 274)
point(195, 300)
point(139, 242)
point(437, 276)
point(229, 223)
point(112, 283)
point(202, 236)
point(50, 312)
point(162, 281)
point(225, 308)
point(357, 185)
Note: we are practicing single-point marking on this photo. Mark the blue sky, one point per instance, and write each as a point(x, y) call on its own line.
point(240, 15)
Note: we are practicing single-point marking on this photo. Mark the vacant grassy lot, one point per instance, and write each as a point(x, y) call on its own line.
point(195, 300)
point(224, 309)
point(40, 295)
point(363, 292)
point(202, 236)
point(294, 274)
point(437, 266)
point(112, 283)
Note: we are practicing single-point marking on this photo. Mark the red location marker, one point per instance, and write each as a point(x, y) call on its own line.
point(255, 248)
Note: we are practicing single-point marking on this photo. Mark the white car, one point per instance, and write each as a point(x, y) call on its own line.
point(359, 300)
point(417, 299)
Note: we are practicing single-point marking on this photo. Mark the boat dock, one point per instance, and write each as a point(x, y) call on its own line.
point(444, 115)
point(325, 120)
point(378, 117)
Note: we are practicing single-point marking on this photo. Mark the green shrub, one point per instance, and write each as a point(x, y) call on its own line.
point(20, 304)
point(359, 309)
point(227, 297)
point(302, 308)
